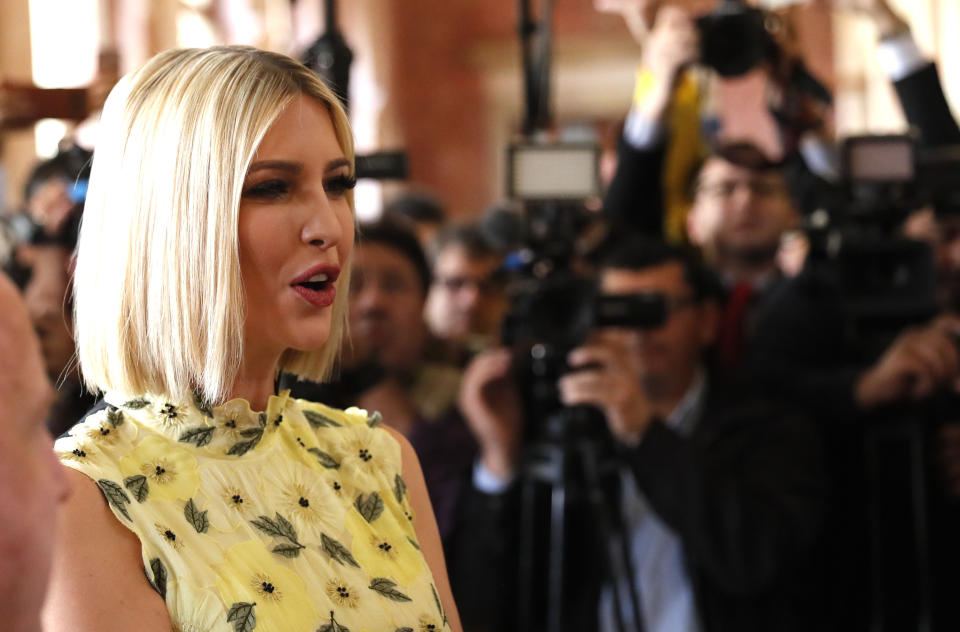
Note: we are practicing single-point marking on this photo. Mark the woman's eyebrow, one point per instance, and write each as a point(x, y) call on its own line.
point(280, 165)
point(337, 163)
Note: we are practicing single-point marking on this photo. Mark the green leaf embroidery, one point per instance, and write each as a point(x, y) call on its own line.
point(263, 419)
point(333, 626)
point(280, 527)
point(436, 598)
point(202, 405)
point(287, 550)
point(117, 498)
point(196, 517)
point(242, 447)
point(137, 404)
point(387, 588)
point(370, 507)
point(268, 526)
point(288, 531)
point(337, 551)
point(319, 420)
point(114, 417)
point(159, 581)
point(399, 488)
point(325, 459)
point(199, 436)
point(374, 419)
point(242, 617)
point(413, 542)
point(138, 486)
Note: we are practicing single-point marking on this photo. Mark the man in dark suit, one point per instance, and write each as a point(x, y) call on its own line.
point(741, 205)
point(719, 493)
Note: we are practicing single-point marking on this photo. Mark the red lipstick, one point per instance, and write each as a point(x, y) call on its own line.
point(316, 285)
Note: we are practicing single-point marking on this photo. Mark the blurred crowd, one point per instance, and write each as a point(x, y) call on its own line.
point(743, 432)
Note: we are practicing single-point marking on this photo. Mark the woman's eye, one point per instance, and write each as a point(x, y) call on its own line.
point(339, 184)
point(267, 190)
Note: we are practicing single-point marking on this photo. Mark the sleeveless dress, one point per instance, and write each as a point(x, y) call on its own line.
point(295, 519)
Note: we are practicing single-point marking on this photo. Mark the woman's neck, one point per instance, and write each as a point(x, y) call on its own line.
point(256, 379)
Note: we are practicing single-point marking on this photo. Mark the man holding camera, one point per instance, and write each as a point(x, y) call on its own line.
point(719, 494)
point(741, 206)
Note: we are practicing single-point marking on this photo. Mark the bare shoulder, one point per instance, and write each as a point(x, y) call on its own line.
point(98, 581)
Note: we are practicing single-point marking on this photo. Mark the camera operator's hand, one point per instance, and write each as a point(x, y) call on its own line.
point(887, 21)
point(491, 406)
point(672, 45)
point(638, 14)
point(917, 363)
point(608, 378)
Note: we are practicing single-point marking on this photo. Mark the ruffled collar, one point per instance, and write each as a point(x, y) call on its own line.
point(231, 429)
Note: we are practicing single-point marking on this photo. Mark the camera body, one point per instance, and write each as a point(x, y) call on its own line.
point(887, 282)
point(735, 38)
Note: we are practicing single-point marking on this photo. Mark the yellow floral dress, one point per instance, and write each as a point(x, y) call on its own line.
point(295, 519)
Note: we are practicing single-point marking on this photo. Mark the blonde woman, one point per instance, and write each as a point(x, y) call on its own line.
point(214, 252)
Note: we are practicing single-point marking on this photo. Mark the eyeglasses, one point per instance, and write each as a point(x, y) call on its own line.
point(458, 283)
point(725, 189)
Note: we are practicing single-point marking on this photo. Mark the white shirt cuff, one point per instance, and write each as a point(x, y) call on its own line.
point(642, 133)
point(488, 482)
point(821, 157)
point(900, 56)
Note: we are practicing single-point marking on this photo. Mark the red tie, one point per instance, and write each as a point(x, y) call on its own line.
point(732, 334)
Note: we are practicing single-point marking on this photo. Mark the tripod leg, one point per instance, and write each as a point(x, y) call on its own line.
point(616, 544)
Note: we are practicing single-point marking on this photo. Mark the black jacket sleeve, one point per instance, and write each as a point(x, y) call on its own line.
point(746, 497)
point(925, 106)
point(634, 201)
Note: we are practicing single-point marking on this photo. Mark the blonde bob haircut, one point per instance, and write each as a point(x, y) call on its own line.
point(158, 295)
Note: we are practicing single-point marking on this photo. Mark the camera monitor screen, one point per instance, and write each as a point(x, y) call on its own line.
point(553, 172)
point(886, 159)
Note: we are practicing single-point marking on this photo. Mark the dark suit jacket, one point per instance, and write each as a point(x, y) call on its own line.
point(743, 492)
point(925, 106)
point(634, 202)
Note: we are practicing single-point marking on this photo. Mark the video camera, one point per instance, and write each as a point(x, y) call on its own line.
point(553, 306)
point(887, 281)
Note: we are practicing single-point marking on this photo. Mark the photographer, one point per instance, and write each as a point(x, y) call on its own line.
point(808, 349)
point(719, 492)
point(742, 206)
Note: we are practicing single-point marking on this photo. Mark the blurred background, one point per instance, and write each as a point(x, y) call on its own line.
point(440, 80)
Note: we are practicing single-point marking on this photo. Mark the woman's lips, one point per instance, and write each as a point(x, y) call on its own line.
point(318, 298)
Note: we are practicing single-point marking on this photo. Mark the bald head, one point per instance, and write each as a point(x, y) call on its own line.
point(32, 482)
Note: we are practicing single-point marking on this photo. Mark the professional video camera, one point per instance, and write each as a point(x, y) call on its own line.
point(874, 283)
point(887, 281)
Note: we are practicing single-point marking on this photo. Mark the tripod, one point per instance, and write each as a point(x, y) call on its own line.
point(573, 465)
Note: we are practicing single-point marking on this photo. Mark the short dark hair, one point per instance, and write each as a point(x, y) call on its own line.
point(416, 207)
point(400, 237)
point(70, 164)
point(466, 236)
point(741, 153)
point(637, 253)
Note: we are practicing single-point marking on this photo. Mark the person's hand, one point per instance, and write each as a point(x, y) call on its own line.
point(491, 406)
point(638, 14)
point(608, 378)
point(672, 45)
point(887, 21)
point(917, 363)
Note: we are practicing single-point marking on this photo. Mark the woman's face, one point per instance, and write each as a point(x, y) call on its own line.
point(295, 232)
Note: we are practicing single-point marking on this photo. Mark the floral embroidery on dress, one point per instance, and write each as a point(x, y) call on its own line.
point(239, 511)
